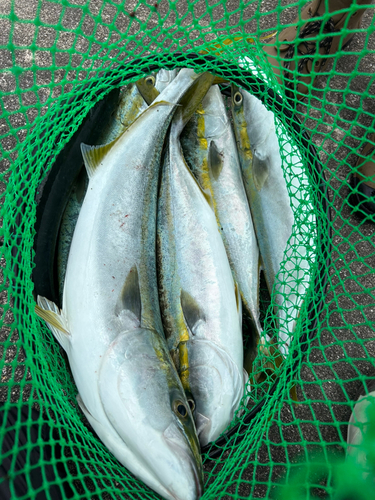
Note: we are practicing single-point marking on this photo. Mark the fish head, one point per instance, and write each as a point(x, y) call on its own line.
point(238, 105)
point(245, 109)
point(145, 403)
point(217, 387)
point(146, 87)
point(237, 101)
point(249, 111)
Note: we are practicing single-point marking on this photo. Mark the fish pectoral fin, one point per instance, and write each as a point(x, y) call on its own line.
point(238, 299)
point(201, 421)
point(93, 421)
point(83, 406)
point(215, 160)
point(93, 156)
point(260, 170)
point(192, 313)
point(48, 310)
point(130, 296)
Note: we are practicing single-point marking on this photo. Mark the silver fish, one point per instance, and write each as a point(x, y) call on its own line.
point(271, 208)
point(210, 150)
point(110, 323)
point(130, 105)
point(200, 303)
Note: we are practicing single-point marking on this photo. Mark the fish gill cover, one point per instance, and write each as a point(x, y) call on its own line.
point(59, 60)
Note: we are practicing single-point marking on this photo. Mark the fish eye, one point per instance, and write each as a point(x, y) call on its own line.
point(180, 409)
point(191, 404)
point(150, 80)
point(237, 98)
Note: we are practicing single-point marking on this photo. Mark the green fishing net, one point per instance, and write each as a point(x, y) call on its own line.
point(58, 60)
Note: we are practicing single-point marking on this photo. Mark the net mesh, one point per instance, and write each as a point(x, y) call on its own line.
point(58, 59)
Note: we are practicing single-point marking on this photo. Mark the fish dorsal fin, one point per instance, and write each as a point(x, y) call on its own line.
point(48, 310)
point(191, 310)
point(215, 160)
point(260, 170)
point(130, 296)
point(93, 156)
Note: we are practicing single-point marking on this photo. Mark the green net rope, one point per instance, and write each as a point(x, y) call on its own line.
point(57, 60)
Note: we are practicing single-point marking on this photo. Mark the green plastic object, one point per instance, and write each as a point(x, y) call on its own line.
point(58, 61)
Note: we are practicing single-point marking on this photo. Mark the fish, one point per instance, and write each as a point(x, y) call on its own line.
point(272, 210)
point(110, 324)
point(129, 106)
point(200, 302)
point(210, 149)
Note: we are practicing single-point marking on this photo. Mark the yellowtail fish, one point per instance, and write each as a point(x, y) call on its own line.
point(200, 303)
point(271, 208)
point(210, 149)
point(110, 324)
point(130, 105)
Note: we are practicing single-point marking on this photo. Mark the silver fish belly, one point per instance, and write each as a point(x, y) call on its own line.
point(201, 310)
point(110, 324)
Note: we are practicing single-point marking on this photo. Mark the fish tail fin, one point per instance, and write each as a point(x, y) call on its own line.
point(55, 319)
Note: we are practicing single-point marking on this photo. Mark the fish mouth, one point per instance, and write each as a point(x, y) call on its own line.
point(191, 462)
point(197, 481)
